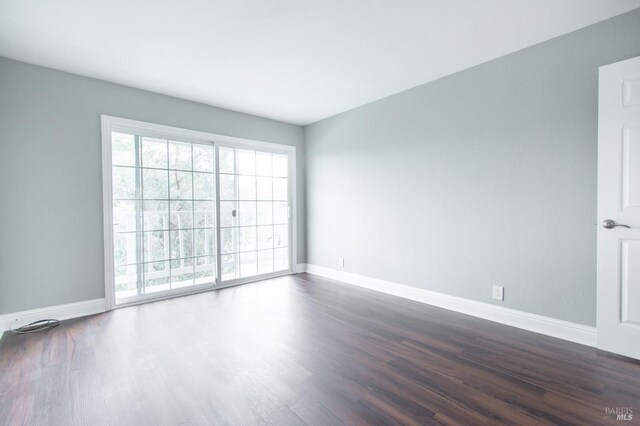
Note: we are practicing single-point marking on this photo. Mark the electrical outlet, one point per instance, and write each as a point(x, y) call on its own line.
point(498, 292)
point(341, 262)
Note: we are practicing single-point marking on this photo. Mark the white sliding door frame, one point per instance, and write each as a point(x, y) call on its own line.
point(140, 128)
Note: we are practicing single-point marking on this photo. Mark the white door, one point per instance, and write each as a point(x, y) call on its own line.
point(619, 208)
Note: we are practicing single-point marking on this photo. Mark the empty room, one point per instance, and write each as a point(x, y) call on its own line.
point(295, 212)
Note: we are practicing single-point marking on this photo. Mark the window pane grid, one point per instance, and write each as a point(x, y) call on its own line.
point(165, 199)
point(253, 241)
point(157, 246)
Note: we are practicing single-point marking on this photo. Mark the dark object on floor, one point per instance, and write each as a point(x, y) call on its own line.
point(37, 326)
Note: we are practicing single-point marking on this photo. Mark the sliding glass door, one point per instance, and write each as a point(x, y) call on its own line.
point(163, 215)
point(169, 198)
point(254, 212)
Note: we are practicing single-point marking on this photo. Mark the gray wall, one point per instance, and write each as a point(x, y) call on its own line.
point(487, 176)
point(51, 244)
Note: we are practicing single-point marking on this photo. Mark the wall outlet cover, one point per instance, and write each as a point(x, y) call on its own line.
point(498, 292)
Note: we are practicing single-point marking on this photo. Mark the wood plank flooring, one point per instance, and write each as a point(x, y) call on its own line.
point(304, 350)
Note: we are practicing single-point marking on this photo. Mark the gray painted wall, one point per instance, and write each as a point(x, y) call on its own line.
point(485, 177)
point(50, 160)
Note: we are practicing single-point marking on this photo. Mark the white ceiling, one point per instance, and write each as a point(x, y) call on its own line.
point(293, 60)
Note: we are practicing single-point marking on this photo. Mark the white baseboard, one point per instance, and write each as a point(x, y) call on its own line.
point(572, 332)
point(60, 312)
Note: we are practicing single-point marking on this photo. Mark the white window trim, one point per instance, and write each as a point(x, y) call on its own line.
point(142, 128)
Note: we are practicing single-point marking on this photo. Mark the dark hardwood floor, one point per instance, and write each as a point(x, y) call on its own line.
point(304, 350)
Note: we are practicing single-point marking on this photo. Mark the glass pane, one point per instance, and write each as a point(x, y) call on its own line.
point(248, 264)
point(203, 158)
point(246, 162)
point(227, 215)
point(178, 245)
point(182, 273)
point(280, 259)
point(180, 185)
point(123, 149)
point(156, 215)
point(263, 164)
point(156, 277)
point(280, 190)
point(228, 187)
point(205, 242)
point(181, 214)
point(154, 153)
point(205, 270)
point(125, 250)
point(265, 261)
point(280, 165)
point(280, 212)
point(227, 160)
point(229, 266)
point(180, 155)
point(124, 216)
point(247, 213)
point(265, 213)
point(181, 263)
point(167, 240)
point(181, 243)
point(200, 242)
point(124, 182)
point(263, 186)
point(247, 238)
point(203, 186)
point(229, 242)
point(211, 242)
point(281, 236)
point(265, 237)
point(154, 184)
point(247, 186)
point(155, 246)
point(204, 214)
point(126, 280)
